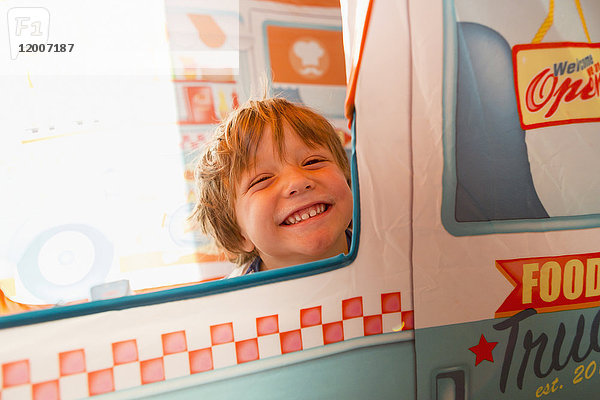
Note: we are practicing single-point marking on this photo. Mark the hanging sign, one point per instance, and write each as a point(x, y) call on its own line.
point(557, 83)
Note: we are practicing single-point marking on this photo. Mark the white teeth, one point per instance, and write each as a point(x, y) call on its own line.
point(311, 212)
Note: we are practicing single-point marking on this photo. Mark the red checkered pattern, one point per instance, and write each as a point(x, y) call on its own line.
point(184, 354)
point(71, 362)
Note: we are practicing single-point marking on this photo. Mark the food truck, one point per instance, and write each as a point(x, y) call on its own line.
point(471, 128)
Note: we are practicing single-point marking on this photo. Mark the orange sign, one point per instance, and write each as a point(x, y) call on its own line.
point(557, 83)
point(309, 56)
point(551, 283)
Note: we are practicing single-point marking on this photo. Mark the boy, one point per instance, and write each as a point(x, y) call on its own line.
point(274, 187)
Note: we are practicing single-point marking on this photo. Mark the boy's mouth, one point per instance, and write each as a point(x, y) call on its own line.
point(305, 214)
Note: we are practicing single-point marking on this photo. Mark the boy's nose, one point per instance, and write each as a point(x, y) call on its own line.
point(297, 183)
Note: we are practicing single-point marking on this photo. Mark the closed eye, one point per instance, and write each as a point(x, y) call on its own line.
point(258, 180)
point(313, 161)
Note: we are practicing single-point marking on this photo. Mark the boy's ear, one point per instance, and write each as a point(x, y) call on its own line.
point(247, 245)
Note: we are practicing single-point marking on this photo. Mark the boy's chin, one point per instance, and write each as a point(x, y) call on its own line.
point(306, 255)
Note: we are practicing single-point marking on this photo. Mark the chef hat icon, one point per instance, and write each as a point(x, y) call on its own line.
point(311, 55)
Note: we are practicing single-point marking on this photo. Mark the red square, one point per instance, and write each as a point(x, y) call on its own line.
point(72, 362)
point(333, 332)
point(408, 320)
point(125, 352)
point(267, 325)
point(290, 341)
point(352, 308)
point(45, 391)
point(390, 302)
point(15, 373)
point(222, 333)
point(373, 325)
point(174, 342)
point(152, 370)
point(201, 105)
point(101, 381)
point(310, 317)
point(246, 350)
point(201, 360)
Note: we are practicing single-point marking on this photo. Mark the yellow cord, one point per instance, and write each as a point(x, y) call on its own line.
point(545, 25)
point(578, 4)
point(550, 20)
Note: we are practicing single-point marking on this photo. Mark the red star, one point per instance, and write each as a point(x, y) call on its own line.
point(483, 351)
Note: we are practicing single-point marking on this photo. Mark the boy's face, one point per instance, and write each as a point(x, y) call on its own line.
point(294, 210)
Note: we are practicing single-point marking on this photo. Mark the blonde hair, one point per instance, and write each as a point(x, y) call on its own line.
point(232, 150)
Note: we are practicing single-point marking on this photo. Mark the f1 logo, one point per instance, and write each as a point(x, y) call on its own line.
point(27, 25)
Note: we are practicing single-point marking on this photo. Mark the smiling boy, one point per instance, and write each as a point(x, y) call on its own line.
point(274, 187)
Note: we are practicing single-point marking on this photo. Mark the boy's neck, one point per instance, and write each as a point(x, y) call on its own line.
point(341, 247)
